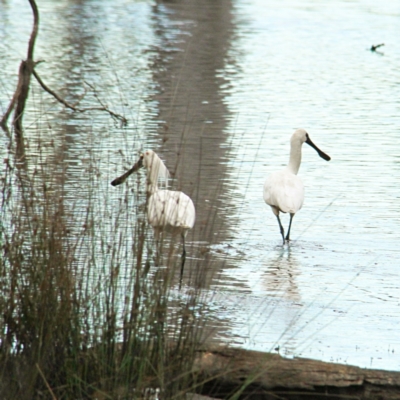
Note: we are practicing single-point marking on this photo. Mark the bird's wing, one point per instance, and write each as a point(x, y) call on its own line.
point(168, 208)
point(284, 191)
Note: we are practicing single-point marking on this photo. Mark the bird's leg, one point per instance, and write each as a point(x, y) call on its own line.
point(183, 260)
point(281, 228)
point(290, 225)
point(157, 236)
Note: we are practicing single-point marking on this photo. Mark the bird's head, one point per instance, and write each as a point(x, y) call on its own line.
point(154, 166)
point(149, 158)
point(301, 136)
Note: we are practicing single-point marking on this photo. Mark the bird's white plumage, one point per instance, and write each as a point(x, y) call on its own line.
point(171, 210)
point(284, 190)
point(155, 169)
point(167, 210)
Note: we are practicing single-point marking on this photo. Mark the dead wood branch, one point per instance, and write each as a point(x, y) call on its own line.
point(26, 70)
point(35, 29)
point(230, 372)
point(18, 100)
point(103, 107)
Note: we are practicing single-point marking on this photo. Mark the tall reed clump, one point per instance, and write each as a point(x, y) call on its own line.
point(85, 313)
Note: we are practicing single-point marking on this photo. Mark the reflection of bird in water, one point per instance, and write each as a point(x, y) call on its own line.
point(376, 46)
point(284, 190)
point(280, 276)
point(167, 210)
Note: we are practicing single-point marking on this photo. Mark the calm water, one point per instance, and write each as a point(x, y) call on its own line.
point(217, 89)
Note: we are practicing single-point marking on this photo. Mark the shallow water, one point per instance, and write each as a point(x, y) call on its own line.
point(217, 89)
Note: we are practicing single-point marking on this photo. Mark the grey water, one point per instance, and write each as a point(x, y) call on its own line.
point(217, 88)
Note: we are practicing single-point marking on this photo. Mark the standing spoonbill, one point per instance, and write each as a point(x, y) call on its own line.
point(167, 210)
point(284, 190)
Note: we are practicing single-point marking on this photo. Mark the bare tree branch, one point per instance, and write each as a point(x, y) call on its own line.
point(103, 107)
point(26, 69)
point(54, 94)
point(35, 29)
point(25, 72)
point(21, 93)
point(11, 106)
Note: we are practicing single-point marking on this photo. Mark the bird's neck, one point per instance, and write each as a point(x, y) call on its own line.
point(151, 187)
point(295, 159)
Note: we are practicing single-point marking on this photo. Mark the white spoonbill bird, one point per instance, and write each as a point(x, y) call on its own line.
point(167, 210)
point(284, 190)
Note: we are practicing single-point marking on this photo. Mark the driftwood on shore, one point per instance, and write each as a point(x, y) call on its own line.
point(256, 375)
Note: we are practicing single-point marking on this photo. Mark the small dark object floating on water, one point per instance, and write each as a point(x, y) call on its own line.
point(376, 46)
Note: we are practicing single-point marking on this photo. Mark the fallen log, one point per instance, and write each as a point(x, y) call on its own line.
point(243, 374)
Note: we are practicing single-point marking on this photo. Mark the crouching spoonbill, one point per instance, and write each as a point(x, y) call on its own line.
point(284, 190)
point(167, 210)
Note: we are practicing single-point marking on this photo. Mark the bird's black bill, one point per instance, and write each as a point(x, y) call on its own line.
point(122, 178)
point(320, 152)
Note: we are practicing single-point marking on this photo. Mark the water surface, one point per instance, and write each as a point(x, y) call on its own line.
point(217, 90)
